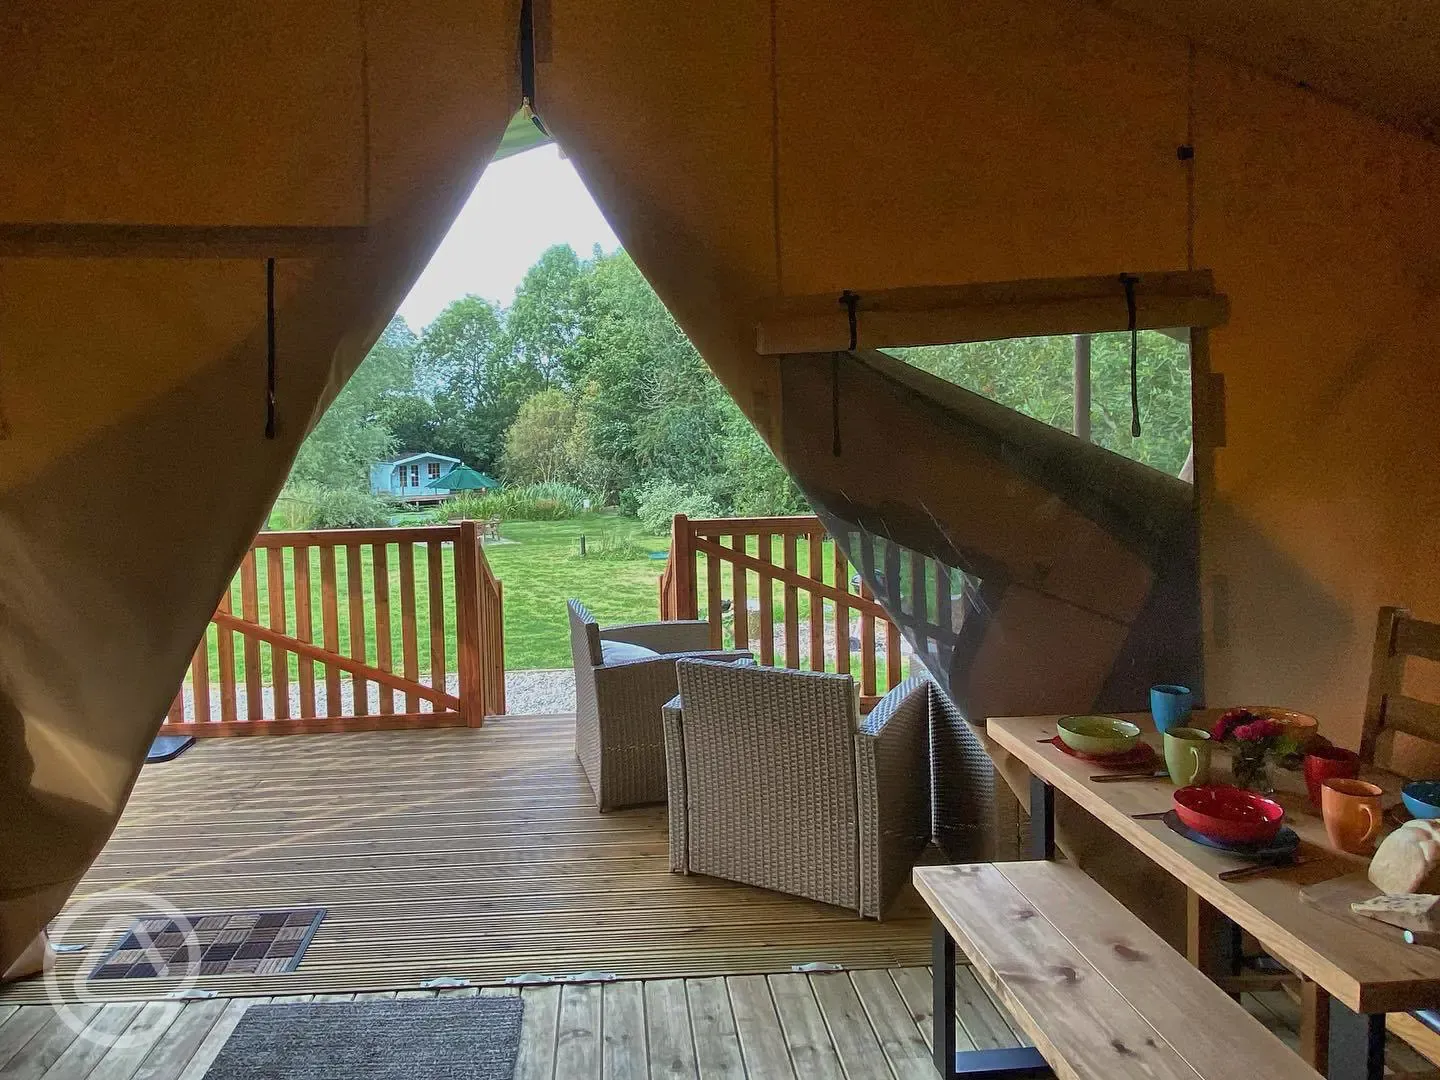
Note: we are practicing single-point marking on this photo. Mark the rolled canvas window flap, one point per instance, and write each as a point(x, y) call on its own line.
point(943, 314)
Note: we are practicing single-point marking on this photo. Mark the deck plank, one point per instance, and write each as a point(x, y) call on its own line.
point(811, 1050)
point(123, 1059)
point(900, 1039)
point(717, 1047)
point(670, 1046)
point(183, 1037)
point(762, 1039)
point(46, 1046)
point(214, 1040)
point(537, 1033)
point(854, 1038)
point(577, 1043)
point(623, 1031)
point(86, 1052)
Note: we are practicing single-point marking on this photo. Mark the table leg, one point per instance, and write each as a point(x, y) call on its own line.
point(1212, 942)
point(942, 1013)
point(1357, 1044)
point(1314, 1025)
point(1042, 819)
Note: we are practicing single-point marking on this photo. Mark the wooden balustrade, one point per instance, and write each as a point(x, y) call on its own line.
point(375, 665)
point(794, 599)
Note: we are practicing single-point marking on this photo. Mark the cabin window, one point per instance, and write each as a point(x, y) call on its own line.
point(414, 475)
point(1040, 377)
point(433, 469)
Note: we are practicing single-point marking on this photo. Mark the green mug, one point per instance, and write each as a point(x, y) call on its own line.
point(1187, 755)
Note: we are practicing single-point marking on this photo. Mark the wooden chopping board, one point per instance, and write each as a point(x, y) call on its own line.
point(1335, 897)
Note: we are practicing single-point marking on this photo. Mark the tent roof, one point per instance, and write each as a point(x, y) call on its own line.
point(1377, 55)
point(464, 478)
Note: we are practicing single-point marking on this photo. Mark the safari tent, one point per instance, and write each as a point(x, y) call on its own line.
point(209, 211)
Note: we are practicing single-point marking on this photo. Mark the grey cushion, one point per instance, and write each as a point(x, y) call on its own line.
point(618, 652)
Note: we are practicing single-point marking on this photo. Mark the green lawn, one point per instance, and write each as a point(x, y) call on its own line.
point(540, 568)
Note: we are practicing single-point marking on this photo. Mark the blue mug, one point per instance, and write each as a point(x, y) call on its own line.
point(1170, 706)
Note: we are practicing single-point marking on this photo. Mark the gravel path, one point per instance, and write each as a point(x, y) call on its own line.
point(527, 693)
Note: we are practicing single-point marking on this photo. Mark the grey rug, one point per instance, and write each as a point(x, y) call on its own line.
point(409, 1039)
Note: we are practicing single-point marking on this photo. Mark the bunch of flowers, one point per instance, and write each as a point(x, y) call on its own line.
point(1254, 740)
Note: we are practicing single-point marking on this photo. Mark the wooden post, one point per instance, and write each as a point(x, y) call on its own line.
point(686, 604)
point(467, 624)
point(1082, 386)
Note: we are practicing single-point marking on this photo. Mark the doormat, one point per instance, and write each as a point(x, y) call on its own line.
point(224, 943)
point(474, 1038)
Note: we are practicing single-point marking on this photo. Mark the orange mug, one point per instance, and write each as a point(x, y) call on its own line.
point(1352, 813)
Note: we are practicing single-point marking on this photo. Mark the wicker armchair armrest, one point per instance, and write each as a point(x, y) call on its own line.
point(668, 660)
point(664, 637)
point(673, 718)
point(892, 759)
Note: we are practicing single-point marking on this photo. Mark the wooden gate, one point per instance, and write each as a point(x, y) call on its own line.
point(418, 642)
point(821, 605)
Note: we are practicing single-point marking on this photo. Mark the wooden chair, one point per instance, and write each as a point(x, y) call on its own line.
point(1388, 710)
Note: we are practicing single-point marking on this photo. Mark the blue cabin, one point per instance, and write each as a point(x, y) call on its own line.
point(408, 476)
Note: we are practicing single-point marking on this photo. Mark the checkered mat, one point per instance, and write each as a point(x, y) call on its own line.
point(225, 943)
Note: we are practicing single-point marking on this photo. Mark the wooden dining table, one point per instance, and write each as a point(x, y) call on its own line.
point(1365, 969)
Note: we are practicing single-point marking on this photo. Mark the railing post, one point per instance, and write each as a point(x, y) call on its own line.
point(686, 603)
point(467, 624)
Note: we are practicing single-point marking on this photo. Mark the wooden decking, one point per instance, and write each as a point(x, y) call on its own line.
point(872, 1024)
point(475, 853)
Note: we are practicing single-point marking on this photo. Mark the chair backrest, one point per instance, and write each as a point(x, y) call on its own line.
point(1388, 709)
point(584, 637)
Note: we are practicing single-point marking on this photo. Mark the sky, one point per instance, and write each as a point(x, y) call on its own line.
point(521, 206)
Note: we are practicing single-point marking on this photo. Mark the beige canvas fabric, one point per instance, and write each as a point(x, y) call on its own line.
point(741, 151)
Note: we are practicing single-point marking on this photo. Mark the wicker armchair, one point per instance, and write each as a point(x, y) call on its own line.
point(776, 781)
point(619, 737)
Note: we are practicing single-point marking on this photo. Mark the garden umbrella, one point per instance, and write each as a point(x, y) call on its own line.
point(464, 478)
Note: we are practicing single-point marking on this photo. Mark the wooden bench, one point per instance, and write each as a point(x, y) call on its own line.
point(1100, 994)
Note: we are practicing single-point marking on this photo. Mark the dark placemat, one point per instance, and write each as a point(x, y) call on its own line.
point(474, 1038)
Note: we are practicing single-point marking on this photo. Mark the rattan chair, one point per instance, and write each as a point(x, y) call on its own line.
point(776, 781)
point(619, 737)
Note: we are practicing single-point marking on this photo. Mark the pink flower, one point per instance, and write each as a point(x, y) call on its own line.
point(1257, 730)
point(1229, 720)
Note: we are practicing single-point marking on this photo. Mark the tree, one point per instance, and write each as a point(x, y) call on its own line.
point(539, 444)
point(545, 323)
point(1035, 376)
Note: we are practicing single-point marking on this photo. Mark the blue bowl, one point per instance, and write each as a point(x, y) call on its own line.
point(1422, 798)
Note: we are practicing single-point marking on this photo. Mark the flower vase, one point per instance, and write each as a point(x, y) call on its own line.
point(1250, 766)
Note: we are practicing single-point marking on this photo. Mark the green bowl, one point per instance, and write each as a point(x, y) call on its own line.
point(1098, 735)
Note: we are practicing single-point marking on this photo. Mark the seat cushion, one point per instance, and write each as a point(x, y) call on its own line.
point(618, 652)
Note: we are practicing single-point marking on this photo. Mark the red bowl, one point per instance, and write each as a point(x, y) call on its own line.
point(1229, 813)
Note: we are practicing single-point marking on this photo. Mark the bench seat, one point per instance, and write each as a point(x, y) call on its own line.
point(1100, 994)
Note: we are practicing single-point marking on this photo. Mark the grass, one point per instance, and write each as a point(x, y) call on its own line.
point(540, 568)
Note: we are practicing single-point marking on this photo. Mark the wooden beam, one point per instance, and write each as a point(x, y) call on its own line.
point(938, 315)
point(67, 240)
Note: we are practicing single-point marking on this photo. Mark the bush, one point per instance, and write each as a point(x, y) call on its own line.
point(612, 546)
point(350, 510)
point(539, 502)
point(661, 500)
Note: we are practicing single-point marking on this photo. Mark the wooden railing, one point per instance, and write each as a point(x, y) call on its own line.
point(350, 630)
point(798, 607)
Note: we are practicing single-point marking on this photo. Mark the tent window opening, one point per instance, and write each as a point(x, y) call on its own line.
point(433, 470)
point(1081, 384)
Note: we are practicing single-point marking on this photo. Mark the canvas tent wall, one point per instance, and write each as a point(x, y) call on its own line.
point(741, 151)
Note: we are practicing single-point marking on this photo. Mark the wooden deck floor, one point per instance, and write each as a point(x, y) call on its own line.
point(871, 1024)
point(468, 853)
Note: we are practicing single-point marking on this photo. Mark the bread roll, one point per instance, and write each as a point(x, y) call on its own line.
point(1409, 859)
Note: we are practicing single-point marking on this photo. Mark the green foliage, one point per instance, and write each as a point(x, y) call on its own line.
point(539, 444)
point(1035, 376)
point(343, 509)
point(660, 500)
point(612, 545)
point(470, 506)
point(540, 502)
